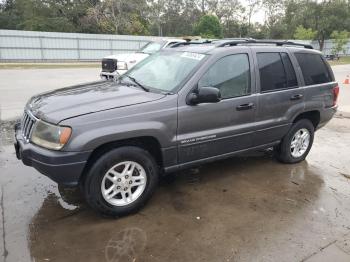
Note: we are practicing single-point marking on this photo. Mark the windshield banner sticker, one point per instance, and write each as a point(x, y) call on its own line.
point(195, 56)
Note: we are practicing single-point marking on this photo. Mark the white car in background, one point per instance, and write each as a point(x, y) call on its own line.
point(115, 65)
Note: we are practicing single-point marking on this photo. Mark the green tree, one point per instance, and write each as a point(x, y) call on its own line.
point(120, 16)
point(321, 16)
point(284, 19)
point(231, 14)
point(302, 33)
point(252, 7)
point(339, 39)
point(274, 24)
point(208, 27)
point(45, 15)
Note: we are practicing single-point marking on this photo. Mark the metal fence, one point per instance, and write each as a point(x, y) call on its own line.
point(49, 46)
point(328, 45)
point(34, 46)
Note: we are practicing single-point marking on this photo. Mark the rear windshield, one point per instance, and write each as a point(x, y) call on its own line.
point(315, 70)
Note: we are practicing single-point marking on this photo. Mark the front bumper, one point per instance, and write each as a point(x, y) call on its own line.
point(62, 167)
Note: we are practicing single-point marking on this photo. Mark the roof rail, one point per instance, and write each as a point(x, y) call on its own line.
point(234, 39)
point(253, 41)
point(191, 43)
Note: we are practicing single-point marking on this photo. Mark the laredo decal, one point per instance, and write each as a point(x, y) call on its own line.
point(197, 139)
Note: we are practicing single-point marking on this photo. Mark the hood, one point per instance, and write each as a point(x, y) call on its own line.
point(131, 59)
point(64, 103)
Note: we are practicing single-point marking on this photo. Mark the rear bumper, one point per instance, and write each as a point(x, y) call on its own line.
point(62, 167)
point(326, 115)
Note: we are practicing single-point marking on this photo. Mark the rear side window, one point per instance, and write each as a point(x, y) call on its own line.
point(276, 72)
point(314, 69)
point(288, 67)
point(230, 74)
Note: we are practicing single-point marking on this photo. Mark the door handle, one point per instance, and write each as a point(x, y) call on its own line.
point(296, 97)
point(245, 107)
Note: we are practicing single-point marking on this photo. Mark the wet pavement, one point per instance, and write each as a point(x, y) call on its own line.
point(248, 208)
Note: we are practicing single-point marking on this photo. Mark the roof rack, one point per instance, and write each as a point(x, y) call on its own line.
point(191, 43)
point(253, 41)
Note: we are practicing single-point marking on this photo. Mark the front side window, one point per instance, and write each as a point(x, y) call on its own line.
point(276, 72)
point(164, 70)
point(314, 69)
point(230, 74)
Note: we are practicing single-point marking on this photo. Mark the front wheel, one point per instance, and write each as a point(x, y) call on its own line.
point(121, 181)
point(297, 143)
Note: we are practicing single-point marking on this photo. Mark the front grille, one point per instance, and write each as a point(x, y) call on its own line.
point(27, 125)
point(109, 65)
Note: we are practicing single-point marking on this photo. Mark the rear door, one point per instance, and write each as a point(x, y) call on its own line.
point(209, 130)
point(318, 80)
point(279, 94)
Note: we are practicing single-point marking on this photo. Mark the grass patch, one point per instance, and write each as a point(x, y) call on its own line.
point(48, 65)
point(342, 61)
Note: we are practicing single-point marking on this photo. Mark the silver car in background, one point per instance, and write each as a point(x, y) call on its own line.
point(116, 65)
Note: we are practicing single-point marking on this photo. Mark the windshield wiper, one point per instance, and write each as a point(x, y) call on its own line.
point(137, 83)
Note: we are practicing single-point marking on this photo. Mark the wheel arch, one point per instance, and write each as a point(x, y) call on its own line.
point(148, 143)
point(314, 116)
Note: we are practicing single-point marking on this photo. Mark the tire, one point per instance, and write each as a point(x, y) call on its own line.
point(284, 153)
point(124, 159)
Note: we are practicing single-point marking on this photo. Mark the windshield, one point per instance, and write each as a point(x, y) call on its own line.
point(151, 47)
point(164, 70)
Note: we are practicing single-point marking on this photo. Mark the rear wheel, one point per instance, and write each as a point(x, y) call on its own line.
point(121, 181)
point(297, 143)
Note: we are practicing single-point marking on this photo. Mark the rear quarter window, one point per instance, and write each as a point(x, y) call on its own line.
point(314, 69)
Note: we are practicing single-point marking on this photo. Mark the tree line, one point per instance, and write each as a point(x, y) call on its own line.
point(284, 19)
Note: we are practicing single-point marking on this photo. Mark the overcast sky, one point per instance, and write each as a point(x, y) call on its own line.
point(259, 16)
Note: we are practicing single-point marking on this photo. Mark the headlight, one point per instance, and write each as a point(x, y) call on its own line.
point(122, 66)
point(50, 136)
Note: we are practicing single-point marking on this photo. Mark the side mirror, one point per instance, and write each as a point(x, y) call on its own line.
point(205, 94)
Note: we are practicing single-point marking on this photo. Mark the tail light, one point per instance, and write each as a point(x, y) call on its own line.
point(335, 95)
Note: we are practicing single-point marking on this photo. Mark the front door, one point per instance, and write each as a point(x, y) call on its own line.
point(211, 129)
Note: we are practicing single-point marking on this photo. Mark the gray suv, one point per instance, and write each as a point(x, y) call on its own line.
point(181, 107)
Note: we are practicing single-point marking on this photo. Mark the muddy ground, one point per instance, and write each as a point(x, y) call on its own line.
point(248, 208)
